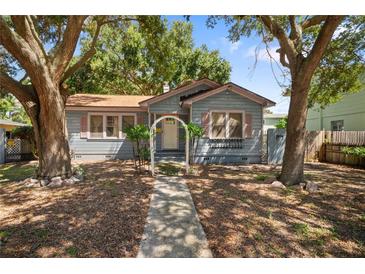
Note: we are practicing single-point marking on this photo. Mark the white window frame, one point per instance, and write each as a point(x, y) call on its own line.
point(104, 115)
point(226, 119)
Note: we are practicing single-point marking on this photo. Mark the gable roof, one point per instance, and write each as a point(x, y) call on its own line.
point(93, 100)
point(232, 87)
point(179, 90)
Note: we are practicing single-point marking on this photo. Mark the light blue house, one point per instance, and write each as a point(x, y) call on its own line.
point(231, 116)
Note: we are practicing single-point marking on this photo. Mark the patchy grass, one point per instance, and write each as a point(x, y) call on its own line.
point(301, 229)
point(243, 217)
point(16, 171)
point(4, 234)
point(72, 251)
point(101, 217)
point(261, 177)
point(169, 169)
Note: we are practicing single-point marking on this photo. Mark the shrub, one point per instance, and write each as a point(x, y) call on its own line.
point(356, 151)
point(139, 135)
point(195, 132)
point(282, 123)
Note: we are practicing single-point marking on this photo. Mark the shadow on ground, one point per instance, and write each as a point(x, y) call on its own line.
point(243, 217)
point(102, 217)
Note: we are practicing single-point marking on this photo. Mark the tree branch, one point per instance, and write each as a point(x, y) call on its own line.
point(295, 31)
point(22, 92)
point(18, 47)
point(282, 58)
point(314, 20)
point(321, 43)
point(23, 26)
point(285, 43)
point(90, 53)
point(65, 49)
point(36, 37)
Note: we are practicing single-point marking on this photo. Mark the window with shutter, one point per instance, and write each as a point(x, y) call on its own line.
point(218, 125)
point(235, 125)
point(96, 126)
point(227, 124)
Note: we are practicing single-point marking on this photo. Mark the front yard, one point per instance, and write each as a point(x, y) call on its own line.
point(101, 217)
point(244, 217)
point(241, 214)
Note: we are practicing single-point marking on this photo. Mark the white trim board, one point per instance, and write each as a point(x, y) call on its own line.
point(226, 117)
point(104, 115)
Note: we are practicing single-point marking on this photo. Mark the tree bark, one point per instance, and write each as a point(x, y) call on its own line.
point(293, 161)
point(53, 147)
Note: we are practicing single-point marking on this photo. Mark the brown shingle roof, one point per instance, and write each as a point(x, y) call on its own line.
point(93, 100)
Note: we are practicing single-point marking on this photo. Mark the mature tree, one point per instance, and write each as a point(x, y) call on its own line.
point(43, 47)
point(128, 62)
point(311, 54)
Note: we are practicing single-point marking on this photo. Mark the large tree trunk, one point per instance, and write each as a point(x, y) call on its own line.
point(51, 134)
point(293, 162)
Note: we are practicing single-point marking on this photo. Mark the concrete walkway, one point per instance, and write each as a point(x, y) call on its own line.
point(173, 229)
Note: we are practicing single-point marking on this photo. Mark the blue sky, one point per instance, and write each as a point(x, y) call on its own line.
point(241, 55)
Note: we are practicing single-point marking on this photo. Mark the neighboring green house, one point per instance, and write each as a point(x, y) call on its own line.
point(347, 114)
point(271, 120)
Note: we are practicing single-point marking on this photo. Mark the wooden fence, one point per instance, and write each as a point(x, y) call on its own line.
point(327, 146)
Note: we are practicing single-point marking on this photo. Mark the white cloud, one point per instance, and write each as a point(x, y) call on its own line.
point(232, 47)
point(263, 54)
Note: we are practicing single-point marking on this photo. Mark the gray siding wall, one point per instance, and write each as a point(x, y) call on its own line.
point(88, 149)
point(243, 151)
point(172, 105)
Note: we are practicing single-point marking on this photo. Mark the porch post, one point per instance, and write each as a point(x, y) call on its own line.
point(152, 150)
point(186, 149)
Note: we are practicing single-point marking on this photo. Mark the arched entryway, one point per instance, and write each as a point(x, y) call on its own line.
point(152, 143)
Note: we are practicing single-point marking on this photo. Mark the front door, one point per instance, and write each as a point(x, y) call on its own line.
point(170, 134)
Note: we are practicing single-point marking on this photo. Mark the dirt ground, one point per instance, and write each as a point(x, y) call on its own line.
point(245, 217)
point(101, 217)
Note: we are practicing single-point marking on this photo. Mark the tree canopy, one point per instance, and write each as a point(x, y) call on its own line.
point(127, 61)
point(342, 65)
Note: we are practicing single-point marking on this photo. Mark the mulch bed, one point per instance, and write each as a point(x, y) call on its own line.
point(101, 217)
point(244, 217)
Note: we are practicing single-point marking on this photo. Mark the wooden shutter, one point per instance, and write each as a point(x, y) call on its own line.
point(205, 123)
point(248, 125)
point(83, 127)
point(140, 118)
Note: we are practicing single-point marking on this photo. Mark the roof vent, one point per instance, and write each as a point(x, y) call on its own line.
point(166, 87)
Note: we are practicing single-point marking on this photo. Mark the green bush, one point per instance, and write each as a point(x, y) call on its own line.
point(282, 123)
point(139, 135)
point(356, 151)
point(195, 131)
